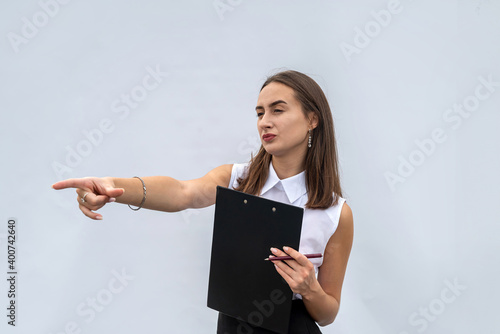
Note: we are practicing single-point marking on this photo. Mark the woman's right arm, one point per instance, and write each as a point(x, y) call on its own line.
point(163, 193)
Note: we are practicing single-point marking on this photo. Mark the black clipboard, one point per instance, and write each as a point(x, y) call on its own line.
point(241, 283)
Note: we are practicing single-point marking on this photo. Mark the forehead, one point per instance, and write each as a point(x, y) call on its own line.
point(276, 91)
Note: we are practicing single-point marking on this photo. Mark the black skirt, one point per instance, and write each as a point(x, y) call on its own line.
point(300, 323)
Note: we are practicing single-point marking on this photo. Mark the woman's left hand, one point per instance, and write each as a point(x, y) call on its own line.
point(298, 273)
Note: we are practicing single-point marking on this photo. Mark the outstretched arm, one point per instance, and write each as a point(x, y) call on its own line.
point(163, 193)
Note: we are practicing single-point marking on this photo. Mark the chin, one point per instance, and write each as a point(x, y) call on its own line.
point(272, 152)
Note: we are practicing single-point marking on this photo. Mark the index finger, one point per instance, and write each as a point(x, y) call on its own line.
point(69, 183)
point(299, 257)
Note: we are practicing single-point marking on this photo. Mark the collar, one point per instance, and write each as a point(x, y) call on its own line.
point(294, 186)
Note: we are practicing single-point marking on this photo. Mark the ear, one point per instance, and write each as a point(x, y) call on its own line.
point(313, 120)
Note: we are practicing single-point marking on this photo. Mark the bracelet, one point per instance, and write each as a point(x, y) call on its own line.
point(143, 198)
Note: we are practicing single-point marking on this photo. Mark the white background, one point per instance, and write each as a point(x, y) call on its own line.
point(413, 240)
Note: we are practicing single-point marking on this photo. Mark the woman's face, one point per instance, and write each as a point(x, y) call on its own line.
point(282, 125)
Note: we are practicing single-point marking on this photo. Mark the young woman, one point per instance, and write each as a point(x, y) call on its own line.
point(297, 164)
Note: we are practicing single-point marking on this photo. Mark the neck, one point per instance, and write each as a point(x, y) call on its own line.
point(286, 168)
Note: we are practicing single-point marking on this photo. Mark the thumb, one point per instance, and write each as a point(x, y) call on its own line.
point(114, 192)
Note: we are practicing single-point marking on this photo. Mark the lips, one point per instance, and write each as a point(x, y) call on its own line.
point(268, 137)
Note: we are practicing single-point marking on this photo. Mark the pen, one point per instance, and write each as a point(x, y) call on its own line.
point(278, 258)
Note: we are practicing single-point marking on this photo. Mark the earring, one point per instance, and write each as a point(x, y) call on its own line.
point(310, 138)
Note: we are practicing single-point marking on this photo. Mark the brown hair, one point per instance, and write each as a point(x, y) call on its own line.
point(321, 162)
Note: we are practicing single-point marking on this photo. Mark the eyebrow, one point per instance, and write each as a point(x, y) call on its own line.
point(271, 105)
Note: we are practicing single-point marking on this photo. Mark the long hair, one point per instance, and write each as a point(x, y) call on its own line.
point(321, 162)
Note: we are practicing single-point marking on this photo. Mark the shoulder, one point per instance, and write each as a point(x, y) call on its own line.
point(238, 171)
point(346, 217)
point(336, 212)
point(240, 168)
point(340, 219)
point(345, 228)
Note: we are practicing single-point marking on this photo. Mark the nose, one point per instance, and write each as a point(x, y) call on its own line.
point(265, 122)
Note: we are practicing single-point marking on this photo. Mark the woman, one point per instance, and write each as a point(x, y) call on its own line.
point(297, 164)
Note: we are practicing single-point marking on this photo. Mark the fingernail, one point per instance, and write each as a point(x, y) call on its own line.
point(285, 248)
point(98, 217)
point(111, 200)
point(274, 250)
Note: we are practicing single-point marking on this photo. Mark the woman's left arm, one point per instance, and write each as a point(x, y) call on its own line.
point(321, 296)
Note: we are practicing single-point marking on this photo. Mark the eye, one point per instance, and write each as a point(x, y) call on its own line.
point(278, 110)
point(259, 114)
